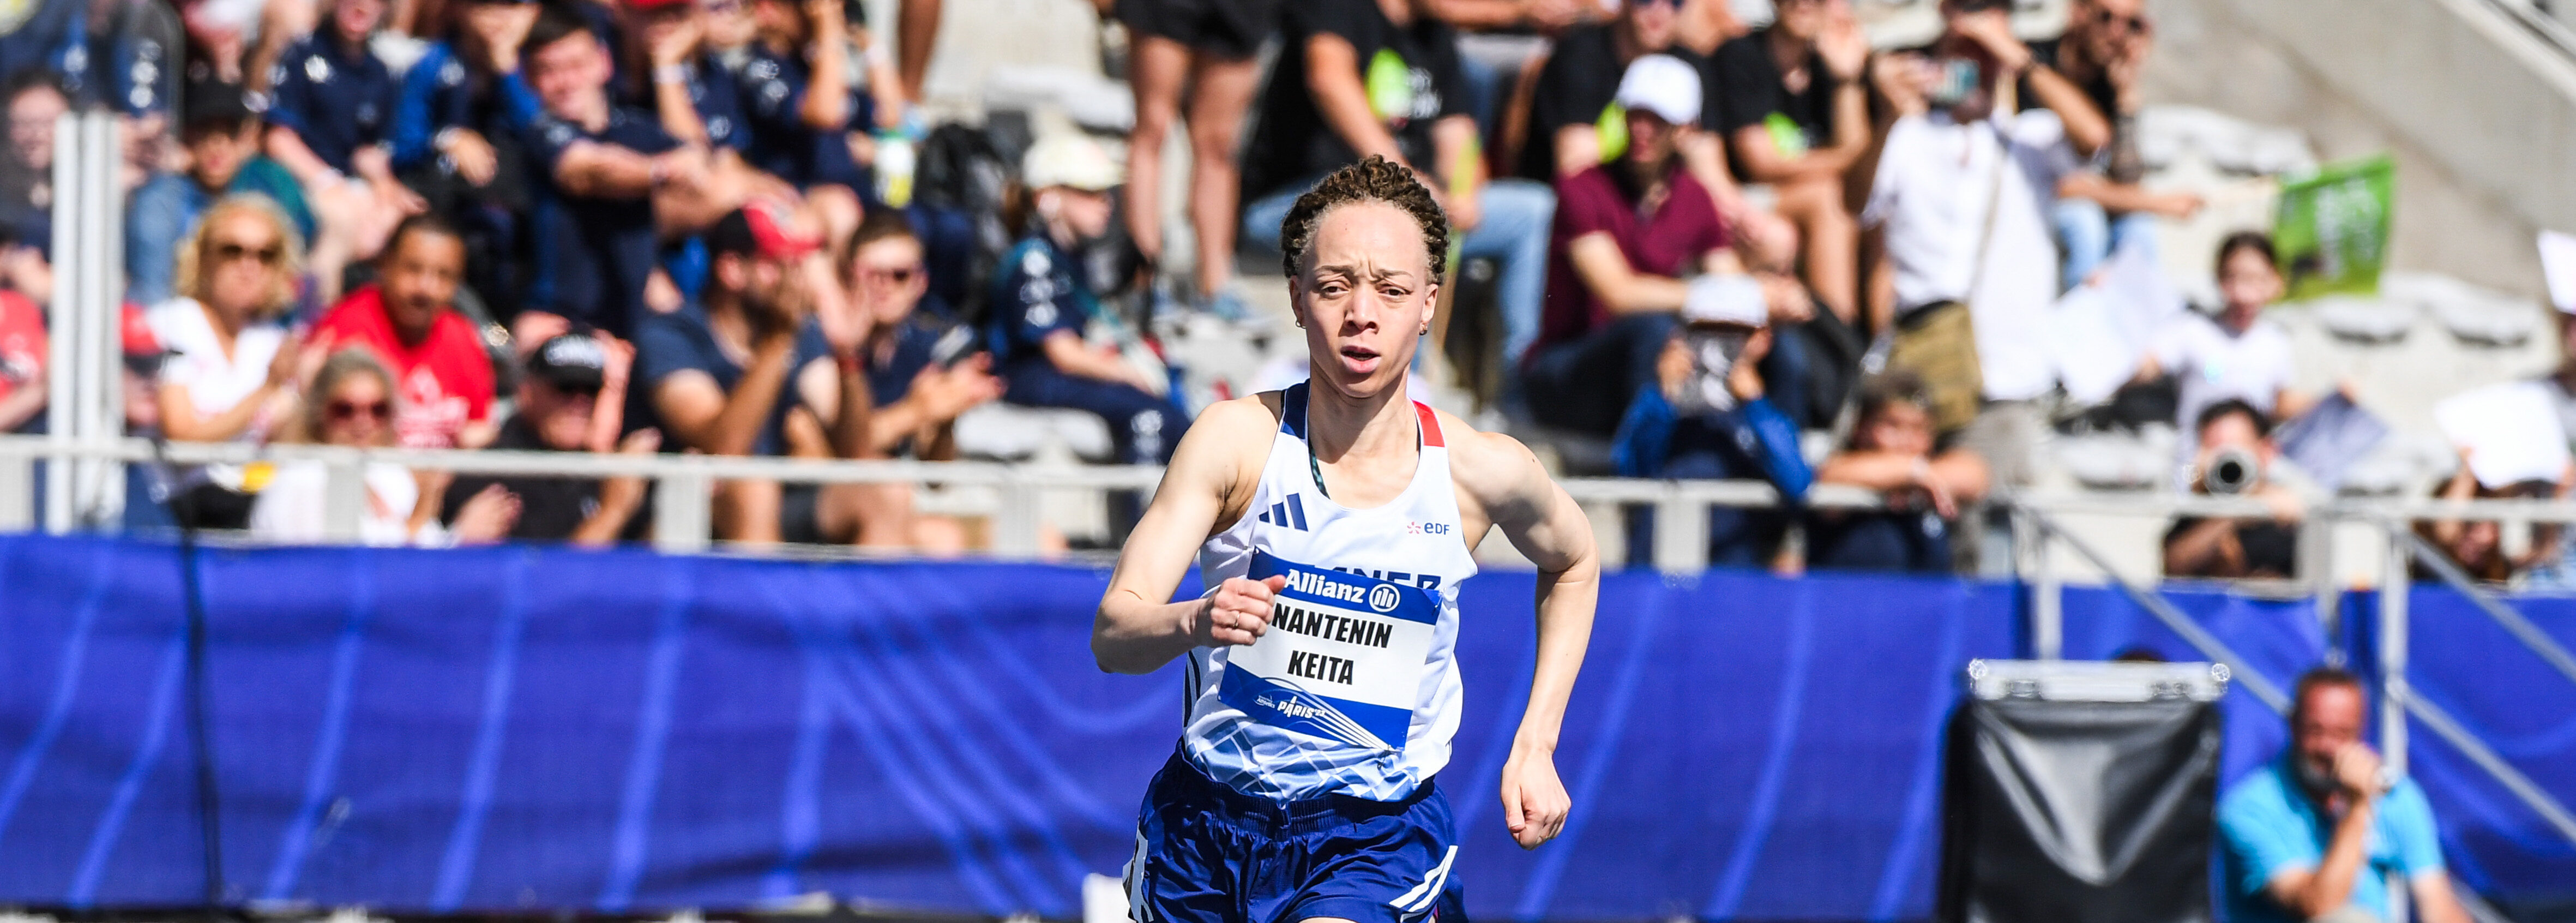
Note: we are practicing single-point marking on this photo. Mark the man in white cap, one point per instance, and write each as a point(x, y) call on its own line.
point(1042, 300)
point(1627, 234)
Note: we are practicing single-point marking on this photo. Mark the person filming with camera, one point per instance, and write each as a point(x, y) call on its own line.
point(2235, 459)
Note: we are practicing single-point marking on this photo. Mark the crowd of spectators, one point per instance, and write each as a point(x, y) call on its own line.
point(697, 226)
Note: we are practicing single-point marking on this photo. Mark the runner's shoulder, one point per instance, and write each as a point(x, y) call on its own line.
point(1232, 434)
point(1489, 466)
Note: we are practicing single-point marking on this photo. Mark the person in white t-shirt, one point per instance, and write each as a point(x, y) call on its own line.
point(229, 374)
point(2237, 355)
point(353, 405)
point(1962, 186)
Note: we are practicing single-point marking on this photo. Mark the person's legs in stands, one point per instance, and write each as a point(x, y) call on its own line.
point(1514, 230)
point(866, 515)
point(2084, 235)
point(1737, 537)
point(1832, 258)
point(1155, 71)
point(746, 511)
point(2134, 229)
point(1585, 384)
point(1221, 92)
point(1143, 429)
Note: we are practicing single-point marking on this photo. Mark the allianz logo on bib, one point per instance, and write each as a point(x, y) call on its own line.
point(1315, 584)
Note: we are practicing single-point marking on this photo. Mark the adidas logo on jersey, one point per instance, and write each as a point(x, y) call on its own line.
point(1289, 512)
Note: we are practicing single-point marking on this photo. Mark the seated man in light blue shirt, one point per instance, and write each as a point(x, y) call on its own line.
point(2315, 834)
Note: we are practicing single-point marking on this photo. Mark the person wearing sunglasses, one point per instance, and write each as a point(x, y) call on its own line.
point(231, 370)
point(566, 385)
point(353, 406)
point(221, 135)
point(2102, 208)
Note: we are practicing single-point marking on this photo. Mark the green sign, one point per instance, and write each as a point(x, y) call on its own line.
point(2332, 227)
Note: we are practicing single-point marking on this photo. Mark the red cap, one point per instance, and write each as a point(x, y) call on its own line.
point(765, 227)
point(136, 334)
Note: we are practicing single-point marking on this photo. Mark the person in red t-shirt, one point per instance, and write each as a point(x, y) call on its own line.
point(22, 360)
point(408, 319)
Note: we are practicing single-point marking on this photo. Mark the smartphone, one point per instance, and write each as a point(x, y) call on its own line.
point(958, 343)
point(1953, 81)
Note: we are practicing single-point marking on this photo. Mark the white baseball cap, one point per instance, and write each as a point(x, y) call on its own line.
point(1725, 299)
point(1663, 85)
point(1069, 158)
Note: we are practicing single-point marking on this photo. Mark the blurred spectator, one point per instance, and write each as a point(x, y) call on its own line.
point(353, 405)
point(23, 356)
point(2319, 832)
point(408, 320)
point(27, 171)
point(1362, 77)
point(662, 70)
point(2101, 208)
point(456, 138)
point(2239, 355)
point(599, 168)
point(2477, 545)
point(221, 136)
point(1572, 126)
point(717, 379)
point(1892, 452)
point(1626, 234)
point(2235, 459)
point(1042, 303)
point(330, 116)
point(560, 399)
point(1962, 186)
point(1790, 103)
point(919, 368)
point(1213, 48)
point(231, 369)
point(1706, 418)
point(808, 125)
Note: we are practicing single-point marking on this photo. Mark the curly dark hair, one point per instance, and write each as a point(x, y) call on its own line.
point(1376, 179)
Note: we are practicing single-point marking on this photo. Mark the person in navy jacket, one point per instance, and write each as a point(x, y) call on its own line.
point(329, 123)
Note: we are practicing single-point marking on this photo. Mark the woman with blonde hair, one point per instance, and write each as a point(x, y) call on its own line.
point(230, 373)
point(353, 405)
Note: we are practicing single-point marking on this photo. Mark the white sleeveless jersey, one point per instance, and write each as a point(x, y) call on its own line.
point(1291, 527)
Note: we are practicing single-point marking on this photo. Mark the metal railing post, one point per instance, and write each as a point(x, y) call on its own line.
point(1016, 524)
point(2317, 564)
point(2395, 585)
point(681, 520)
point(344, 497)
point(1681, 532)
point(2033, 562)
point(17, 493)
point(63, 360)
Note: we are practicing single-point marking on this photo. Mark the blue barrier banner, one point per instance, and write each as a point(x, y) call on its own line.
point(523, 728)
point(517, 727)
point(2461, 660)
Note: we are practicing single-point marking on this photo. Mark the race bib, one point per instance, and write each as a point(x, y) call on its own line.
point(1342, 659)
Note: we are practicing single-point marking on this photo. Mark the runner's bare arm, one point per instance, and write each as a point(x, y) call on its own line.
point(1205, 488)
point(1506, 485)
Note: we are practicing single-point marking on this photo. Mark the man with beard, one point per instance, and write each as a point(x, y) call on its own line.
point(2315, 834)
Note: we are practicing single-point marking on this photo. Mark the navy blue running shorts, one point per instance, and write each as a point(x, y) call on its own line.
point(1206, 853)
